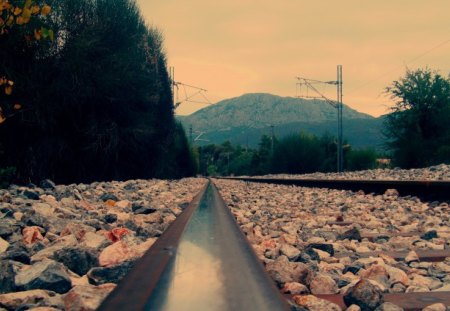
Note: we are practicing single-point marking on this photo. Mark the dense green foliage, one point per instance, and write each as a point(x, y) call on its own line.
point(361, 159)
point(6, 176)
point(417, 129)
point(97, 101)
point(293, 154)
point(304, 153)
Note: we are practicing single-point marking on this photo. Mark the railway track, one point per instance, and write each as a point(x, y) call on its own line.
point(203, 261)
point(425, 190)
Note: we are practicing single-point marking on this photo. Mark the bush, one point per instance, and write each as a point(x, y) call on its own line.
point(7, 175)
point(362, 159)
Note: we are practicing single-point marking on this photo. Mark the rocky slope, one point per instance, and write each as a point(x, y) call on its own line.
point(257, 110)
point(244, 119)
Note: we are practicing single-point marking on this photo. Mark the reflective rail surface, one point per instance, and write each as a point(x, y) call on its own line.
point(425, 190)
point(201, 262)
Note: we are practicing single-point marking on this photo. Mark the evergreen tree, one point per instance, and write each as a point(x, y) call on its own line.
point(98, 100)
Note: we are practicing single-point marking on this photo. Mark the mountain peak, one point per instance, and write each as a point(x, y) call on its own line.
point(258, 110)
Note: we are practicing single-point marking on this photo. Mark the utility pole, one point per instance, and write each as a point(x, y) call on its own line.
point(273, 137)
point(340, 151)
point(192, 94)
point(309, 84)
point(172, 80)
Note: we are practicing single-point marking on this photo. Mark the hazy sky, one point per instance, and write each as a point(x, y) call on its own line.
point(232, 47)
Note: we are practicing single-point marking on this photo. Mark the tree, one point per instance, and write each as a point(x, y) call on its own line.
point(99, 103)
point(298, 154)
point(22, 25)
point(417, 128)
point(361, 159)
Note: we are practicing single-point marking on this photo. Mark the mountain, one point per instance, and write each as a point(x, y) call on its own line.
point(244, 119)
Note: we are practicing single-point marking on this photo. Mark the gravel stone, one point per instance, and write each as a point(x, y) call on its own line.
point(112, 274)
point(46, 274)
point(47, 184)
point(17, 252)
point(77, 259)
point(108, 196)
point(37, 297)
point(365, 295)
point(86, 297)
point(435, 307)
point(388, 306)
point(312, 303)
point(7, 277)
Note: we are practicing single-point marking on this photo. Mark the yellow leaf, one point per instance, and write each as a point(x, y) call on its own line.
point(17, 106)
point(4, 5)
point(17, 11)
point(10, 20)
point(8, 90)
point(2, 22)
point(26, 13)
point(35, 9)
point(10, 82)
point(2, 116)
point(28, 3)
point(46, 9)
point(19, 20)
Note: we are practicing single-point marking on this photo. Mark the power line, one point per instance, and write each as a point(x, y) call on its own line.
point(396, 68)
point(191, 93)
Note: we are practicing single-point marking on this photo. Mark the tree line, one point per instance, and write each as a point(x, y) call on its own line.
point(293, 154)
point(91, 103)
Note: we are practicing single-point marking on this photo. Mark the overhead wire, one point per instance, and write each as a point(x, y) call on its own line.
point(396, 68)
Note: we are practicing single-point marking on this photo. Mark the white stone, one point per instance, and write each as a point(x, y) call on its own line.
point(435, 307)
point(3, 245)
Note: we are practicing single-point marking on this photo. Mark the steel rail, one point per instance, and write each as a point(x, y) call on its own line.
point(407, 301)
point(203, 261)
point(424, 255)
point(425, 190)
